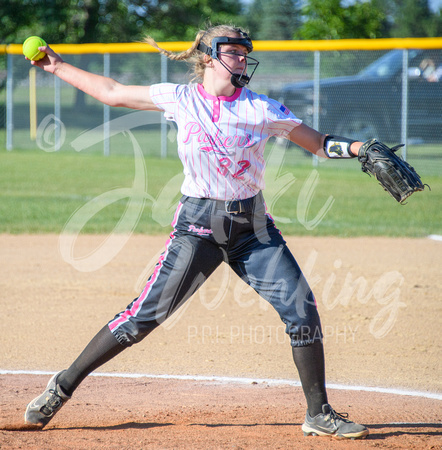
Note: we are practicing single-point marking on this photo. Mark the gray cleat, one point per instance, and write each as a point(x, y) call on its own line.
point(44, 407)
point(331, 423)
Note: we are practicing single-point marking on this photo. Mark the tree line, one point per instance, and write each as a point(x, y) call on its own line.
point(86, 21)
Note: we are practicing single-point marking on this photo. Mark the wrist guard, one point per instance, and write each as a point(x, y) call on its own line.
point(338, 147)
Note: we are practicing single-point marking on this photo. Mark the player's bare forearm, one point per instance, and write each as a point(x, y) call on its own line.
point(104, 89)
point(308, 138)
point(97, 86)
point(313, 141)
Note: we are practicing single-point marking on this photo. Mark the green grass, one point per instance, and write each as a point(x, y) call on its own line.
point(40, 192)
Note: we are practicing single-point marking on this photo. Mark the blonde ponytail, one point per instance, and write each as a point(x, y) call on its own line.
point(193, 56)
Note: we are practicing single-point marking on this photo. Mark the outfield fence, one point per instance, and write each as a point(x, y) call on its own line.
point(385, 88)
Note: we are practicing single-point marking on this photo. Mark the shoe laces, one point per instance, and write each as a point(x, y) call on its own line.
point(53, 403)
point(335, 416)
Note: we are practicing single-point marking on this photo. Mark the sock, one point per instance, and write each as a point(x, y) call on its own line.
point(309, 361)
point(101, 349)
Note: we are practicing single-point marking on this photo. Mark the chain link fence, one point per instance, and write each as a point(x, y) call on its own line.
point(392, 93)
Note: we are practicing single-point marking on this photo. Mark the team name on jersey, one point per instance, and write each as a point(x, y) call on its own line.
point(194, 131)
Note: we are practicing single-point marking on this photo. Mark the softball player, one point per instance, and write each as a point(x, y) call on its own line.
point(222, 131)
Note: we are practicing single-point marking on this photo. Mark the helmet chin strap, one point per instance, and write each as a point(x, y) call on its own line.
point(239, 81)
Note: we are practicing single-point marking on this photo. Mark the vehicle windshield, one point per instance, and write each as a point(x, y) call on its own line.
point(386, 65)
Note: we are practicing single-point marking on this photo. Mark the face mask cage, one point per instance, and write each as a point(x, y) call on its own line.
point(238, 80)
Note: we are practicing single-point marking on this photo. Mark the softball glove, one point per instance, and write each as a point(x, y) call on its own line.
point(394, 174)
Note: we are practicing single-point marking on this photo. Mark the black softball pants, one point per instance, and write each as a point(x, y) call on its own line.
point(207, 233)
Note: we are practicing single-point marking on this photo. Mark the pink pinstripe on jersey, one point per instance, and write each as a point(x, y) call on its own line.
point(221, 140)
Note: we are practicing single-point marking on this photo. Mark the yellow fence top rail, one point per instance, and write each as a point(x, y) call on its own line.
point(261, 46)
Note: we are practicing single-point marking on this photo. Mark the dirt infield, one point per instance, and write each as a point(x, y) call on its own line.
point(379, 301)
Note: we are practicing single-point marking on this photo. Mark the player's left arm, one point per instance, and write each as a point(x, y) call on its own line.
point(394, 174)
point(313, 141)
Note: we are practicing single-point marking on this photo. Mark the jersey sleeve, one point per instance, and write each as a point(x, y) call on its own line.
point(280, 120)
point(164, 95)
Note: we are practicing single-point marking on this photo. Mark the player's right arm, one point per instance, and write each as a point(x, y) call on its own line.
point(104, 89)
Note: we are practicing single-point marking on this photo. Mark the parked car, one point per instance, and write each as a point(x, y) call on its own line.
point(368, 104)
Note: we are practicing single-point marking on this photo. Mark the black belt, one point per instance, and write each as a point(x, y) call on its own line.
point(231, 206)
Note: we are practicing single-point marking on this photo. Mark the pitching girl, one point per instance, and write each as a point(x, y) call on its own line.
point(223, 127)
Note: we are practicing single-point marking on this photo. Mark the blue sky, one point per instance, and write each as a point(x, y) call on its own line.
point(435, 4)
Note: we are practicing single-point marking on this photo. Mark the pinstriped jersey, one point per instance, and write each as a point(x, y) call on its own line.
point(221, 140)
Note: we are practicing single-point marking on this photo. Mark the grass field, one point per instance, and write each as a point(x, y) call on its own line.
point(39, 193)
